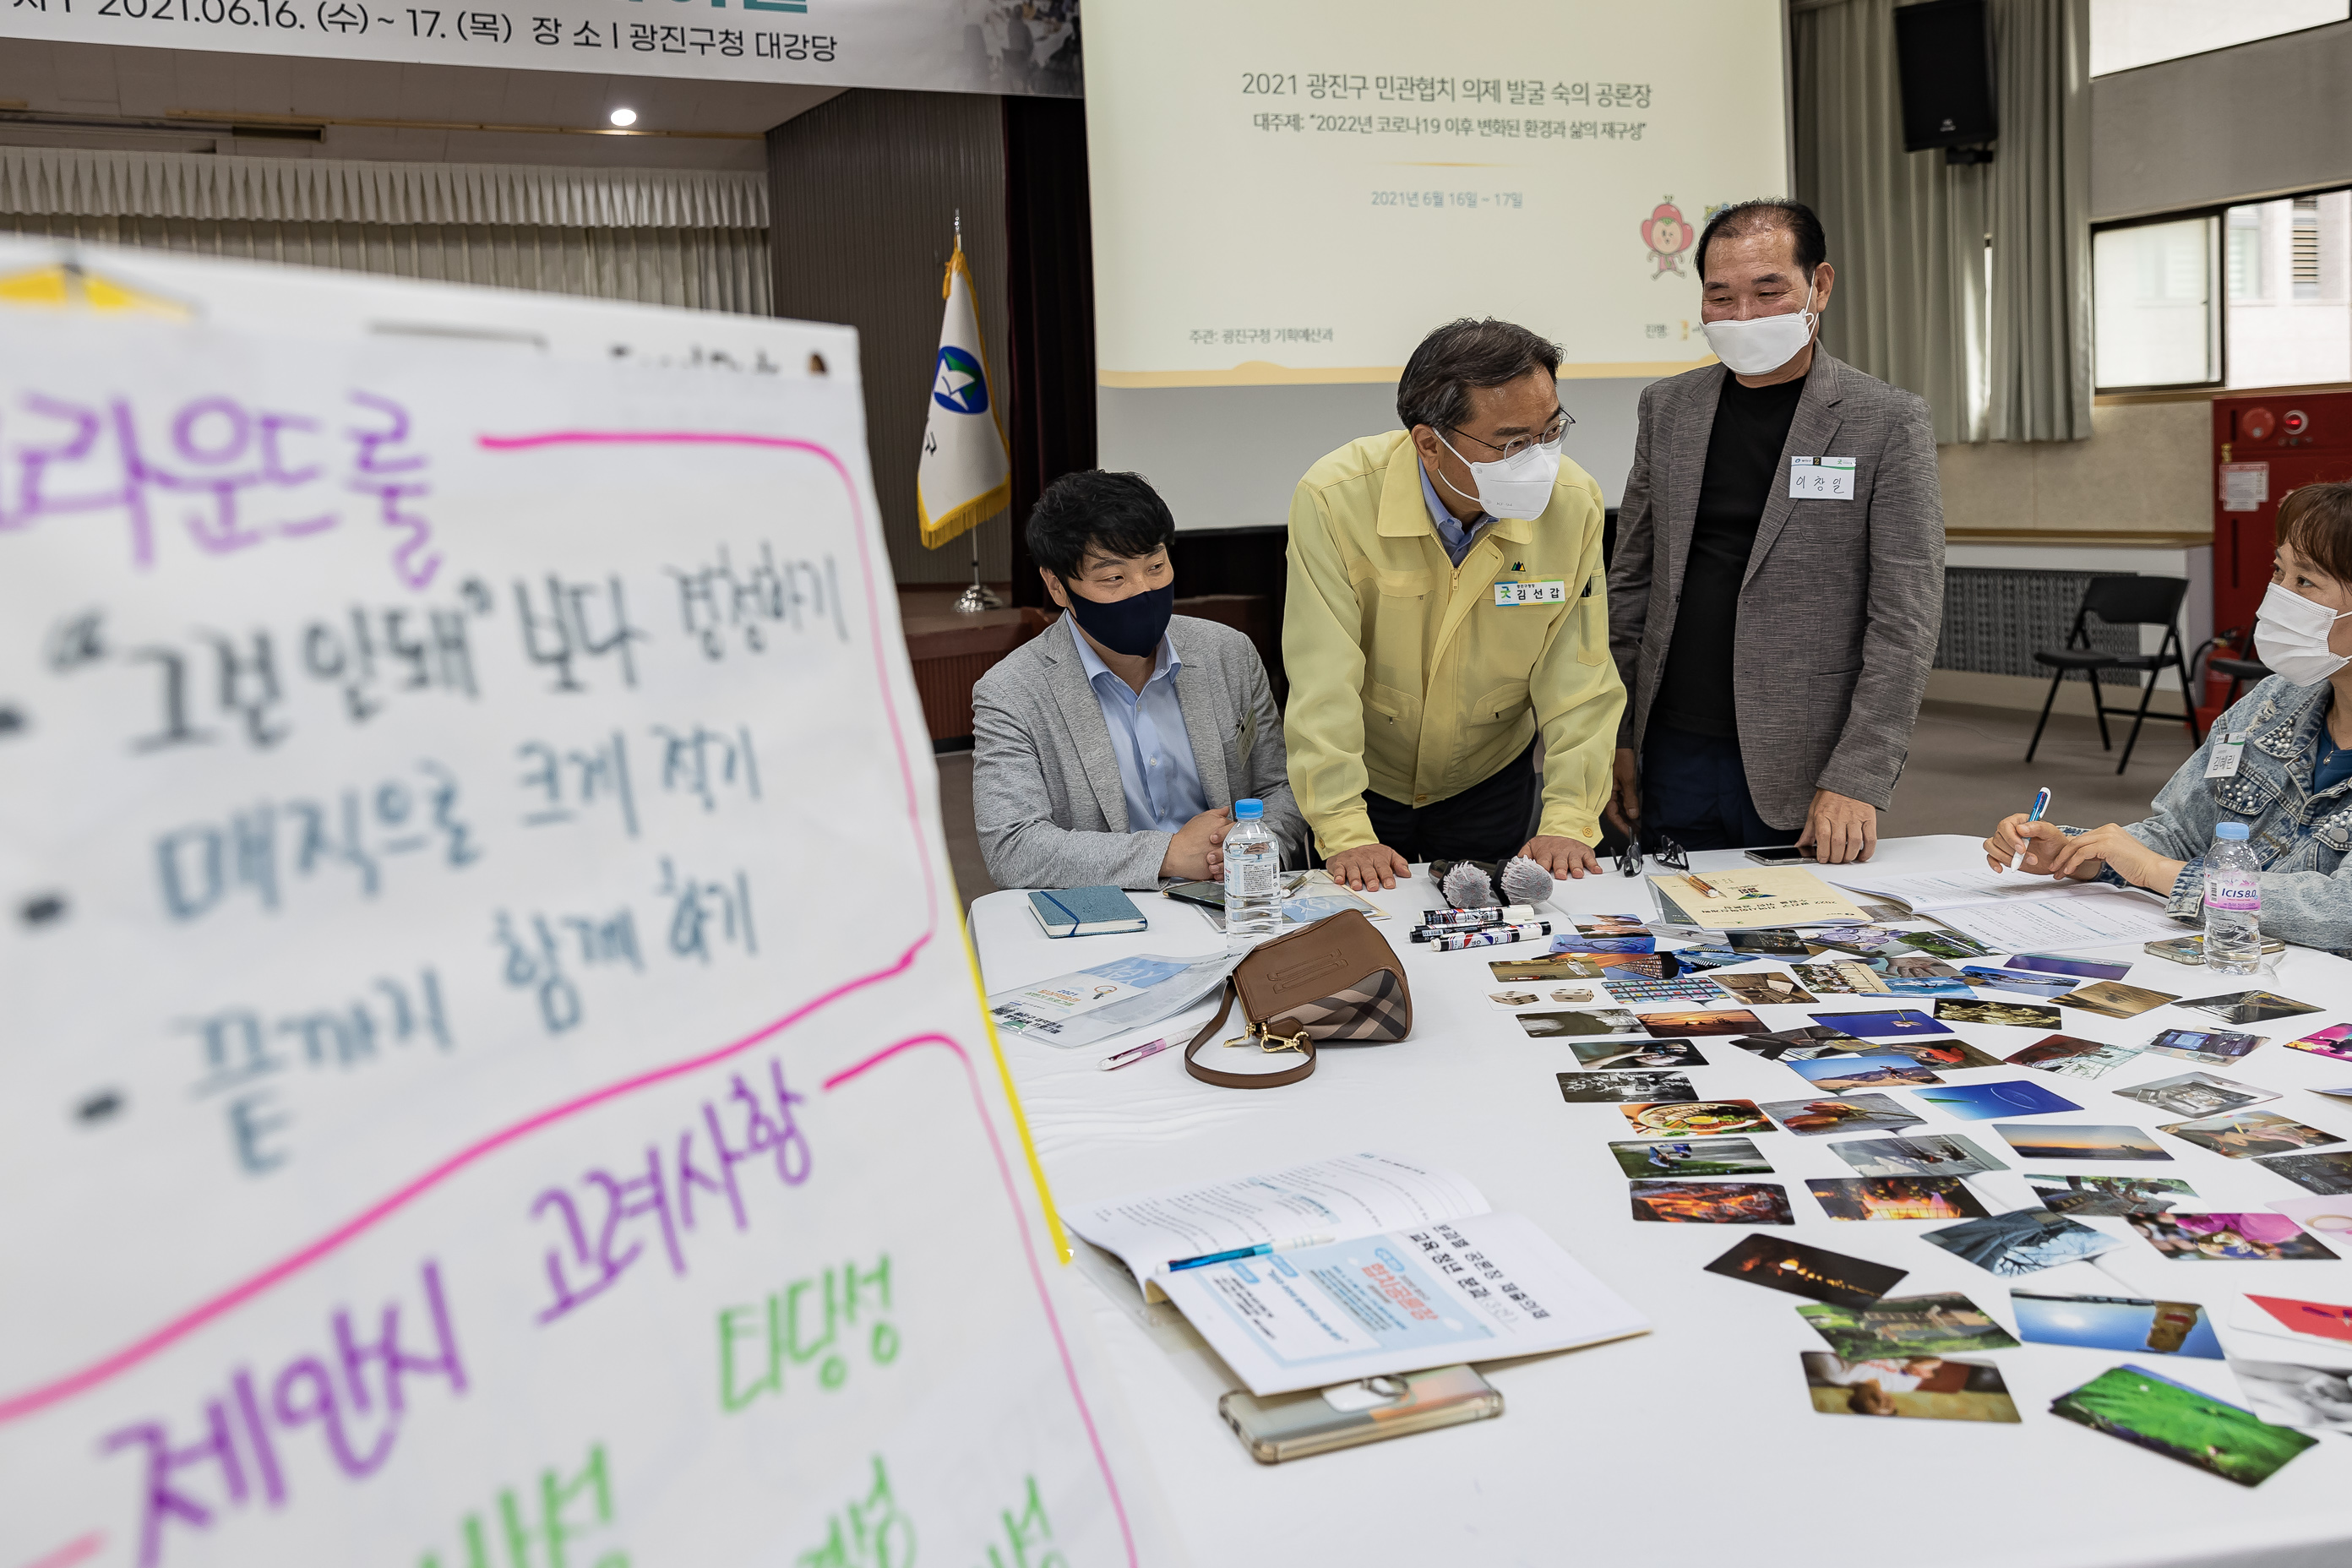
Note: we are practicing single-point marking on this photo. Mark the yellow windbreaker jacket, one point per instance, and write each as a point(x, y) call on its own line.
point(1408, 677)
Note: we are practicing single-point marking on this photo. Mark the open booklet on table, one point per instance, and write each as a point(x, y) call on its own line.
point(1382, 1265)
point(2018, 912)
point(1110, 998)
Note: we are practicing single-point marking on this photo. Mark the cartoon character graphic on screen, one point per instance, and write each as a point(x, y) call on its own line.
point(1667, 236)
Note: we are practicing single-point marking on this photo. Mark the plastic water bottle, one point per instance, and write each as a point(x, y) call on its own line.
point(2233, 902)
point(1253, 873)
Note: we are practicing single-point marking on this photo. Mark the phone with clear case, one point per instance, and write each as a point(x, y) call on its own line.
point(1292, 1425)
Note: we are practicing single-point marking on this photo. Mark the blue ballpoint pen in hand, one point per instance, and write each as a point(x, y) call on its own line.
point(2041, 805)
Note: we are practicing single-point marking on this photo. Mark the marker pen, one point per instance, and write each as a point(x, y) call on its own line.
point(1493, 936)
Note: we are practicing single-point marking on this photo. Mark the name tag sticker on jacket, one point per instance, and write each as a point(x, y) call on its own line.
point(2227, 749)
point(1820, 479)
point(1553, 591)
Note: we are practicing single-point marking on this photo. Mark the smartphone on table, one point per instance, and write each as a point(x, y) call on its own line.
point(1292, 1425)
point(1781, 855)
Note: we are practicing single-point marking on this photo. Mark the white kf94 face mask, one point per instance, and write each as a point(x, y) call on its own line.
point(1762, 343)
point(2291, 636)
point(1519, 486)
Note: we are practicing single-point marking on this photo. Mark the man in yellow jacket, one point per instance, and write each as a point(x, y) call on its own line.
point(1446, 616)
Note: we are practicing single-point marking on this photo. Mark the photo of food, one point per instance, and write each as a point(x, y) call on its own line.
point(1915, 1154)
point(2016, 1015)
point(2182, 1423)
point(1696, 1118)
point(1623, 1088)
point(2228, 1237)
point(2067, 1141)
point(2084, 968)
point(1767, 941)
point(2023, 981)
point(1839, 1074)
point(1946, 944)
point(2107, 1197)
point(1770, 989)
point(1711, 1203)
point(1530, 971)
point(2328, 1174)
point(1723, 1021)
point(2071, 1056)
point(1981, 1101)
point(2336, 1040)
point(1631, 989)
point(2116, 1323)
point(1907, 1326)
point(1936, 1388)
point(2250, 1006)
point(1880, 1025)
point(2194, 1094)
point(1638, 1053)
point(1692, 1157)
point(2024, 1241)
point(1846, 979)
point(1578, 1021)
point(1895, 1197)
point(1854, 1113)
point(2112, 999)
point(2244, 1134)
point(2215, 1048)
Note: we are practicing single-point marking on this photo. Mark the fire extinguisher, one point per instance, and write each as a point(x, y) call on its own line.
point(2215, 685)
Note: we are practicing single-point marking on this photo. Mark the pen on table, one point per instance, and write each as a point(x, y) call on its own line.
point(1132, 1055)
point(1707, 889)
point(1260, 1250)
point(2041, 805)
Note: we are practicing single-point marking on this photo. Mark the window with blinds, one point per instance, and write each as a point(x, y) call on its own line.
point(2304, 247)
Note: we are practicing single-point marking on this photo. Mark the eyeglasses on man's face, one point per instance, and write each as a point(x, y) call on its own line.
point(1560, 420)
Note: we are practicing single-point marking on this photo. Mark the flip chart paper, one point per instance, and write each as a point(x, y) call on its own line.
point(455, 1104)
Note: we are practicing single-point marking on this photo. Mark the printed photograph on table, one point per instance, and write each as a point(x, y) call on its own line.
point(1778, 1263)
point(1612, 925)
point(2320, 1320)
point(1946, 944)
point(2240, 1237)
point(2024, 1241)
point(2108, 1197)
point(1600, 1054)
point(1531, 971)
point(2068, 1141)
point(1514, 999)
point(1638, 941)
point(1882, 1025)
point(2014, 1015)
point(1934, 1388)
point(1770, 989)
point(2328, 1174)
point(1907, 1326)
point(1982, 1101)
point(1862, 940)
point(1708, 955)
point(2057, 963)
point(2307, 1397)
point(1696, 1117)
point(1655, 965)
point(2023, 981)
point(1767, 941)
point(2250, 1006)
point(2112, 999)
point(1839, 1074)
point(1631, 989)
point(1915, 966)
point(2182, 1423)
point(1896, 1198)
point(2071, 1056)
point(1854, 1113)
point(1926, 985)
point(2116, 1323)
point(2195, 1094)
point(1842, 979)
point(2330, 1219)
point(2336, 1040)
point(1949, 1053)
point(2214, 1048)
point(1623, 1088)
point(1722, 1021)
point(1803, 1044)
point(2246, 1134)
point(1711, 1203)
point(1692, 1157)
point(1915, 1154)
point(1577, 1021)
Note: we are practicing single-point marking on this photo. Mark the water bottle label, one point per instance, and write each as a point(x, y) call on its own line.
point(2234, 890)
point(1250, 878)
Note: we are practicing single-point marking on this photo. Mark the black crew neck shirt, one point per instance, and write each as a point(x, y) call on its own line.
point(1743, 459)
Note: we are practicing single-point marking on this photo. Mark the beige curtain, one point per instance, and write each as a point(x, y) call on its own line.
point(2040, 199)
point(692, 239)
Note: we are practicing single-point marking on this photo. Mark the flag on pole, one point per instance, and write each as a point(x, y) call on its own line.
point(966, 474)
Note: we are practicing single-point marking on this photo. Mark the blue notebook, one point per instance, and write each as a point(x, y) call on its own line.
point(1087, 911)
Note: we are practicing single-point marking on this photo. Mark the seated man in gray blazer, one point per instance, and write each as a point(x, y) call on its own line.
point(1109, 749)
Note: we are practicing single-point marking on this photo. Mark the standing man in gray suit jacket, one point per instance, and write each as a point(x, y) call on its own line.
point(1779, 581)
point(1110, 749)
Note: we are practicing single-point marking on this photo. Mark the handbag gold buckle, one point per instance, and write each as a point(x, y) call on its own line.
point(1270, 1039)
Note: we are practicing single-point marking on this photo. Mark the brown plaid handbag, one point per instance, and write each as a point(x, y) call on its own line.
point(1335, 979)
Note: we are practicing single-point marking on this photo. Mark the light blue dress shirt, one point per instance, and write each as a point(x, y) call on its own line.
point(1456, 539)
point(1156, 770)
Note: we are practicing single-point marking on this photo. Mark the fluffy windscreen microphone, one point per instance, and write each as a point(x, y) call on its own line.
point(1525, 882)
point(1468, 888)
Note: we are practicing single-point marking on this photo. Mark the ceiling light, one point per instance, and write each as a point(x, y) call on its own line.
point(625, 116)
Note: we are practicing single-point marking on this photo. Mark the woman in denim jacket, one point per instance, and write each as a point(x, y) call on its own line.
point(2293, 783)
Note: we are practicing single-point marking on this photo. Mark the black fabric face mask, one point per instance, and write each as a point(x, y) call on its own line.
point(1132, 626)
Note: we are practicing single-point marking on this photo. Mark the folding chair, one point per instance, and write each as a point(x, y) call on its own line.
point(2241, 672)
point(2120, 602)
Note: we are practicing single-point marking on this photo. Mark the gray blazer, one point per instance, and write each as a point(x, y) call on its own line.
point(1044, 781)
point(1842, 601)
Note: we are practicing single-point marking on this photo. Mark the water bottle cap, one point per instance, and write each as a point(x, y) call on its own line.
point(1248, 810)
point(2236, 832)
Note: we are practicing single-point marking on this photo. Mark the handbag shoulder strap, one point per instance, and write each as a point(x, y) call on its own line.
point(1241, 1079)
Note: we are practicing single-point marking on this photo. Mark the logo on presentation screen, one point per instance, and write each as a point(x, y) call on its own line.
point(960, 387)
point(1667, 236)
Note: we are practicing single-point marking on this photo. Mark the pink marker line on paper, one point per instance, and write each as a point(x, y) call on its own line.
point(73, 1552)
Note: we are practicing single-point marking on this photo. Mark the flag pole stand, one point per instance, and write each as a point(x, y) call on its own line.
point(979, 595)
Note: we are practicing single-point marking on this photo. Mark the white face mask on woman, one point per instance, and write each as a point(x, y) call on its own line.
point(2291, 637)
point(1762, 344)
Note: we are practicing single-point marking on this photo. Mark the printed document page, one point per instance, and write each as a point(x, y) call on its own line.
point(1351, 1195)
point(1093, 1005)
point(2019, 914)
point(1476, 1290)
